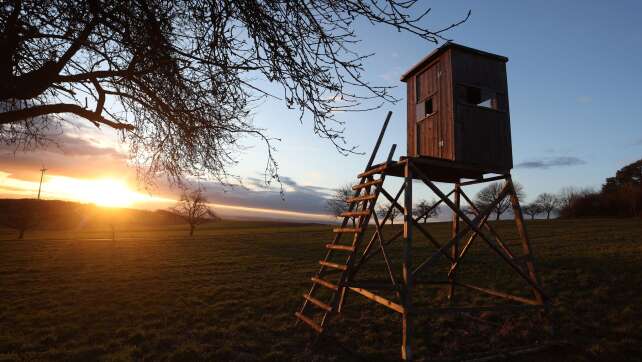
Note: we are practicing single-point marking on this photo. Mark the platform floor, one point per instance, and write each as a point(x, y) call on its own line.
point(440, 170)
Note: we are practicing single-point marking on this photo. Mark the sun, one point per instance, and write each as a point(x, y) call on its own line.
point(103, 192)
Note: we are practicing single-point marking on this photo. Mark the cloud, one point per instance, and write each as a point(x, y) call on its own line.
point(254, 194)
point(551, 162)
point(584, 99)
point(392, 75)
point(85, 157)
point(68, 155)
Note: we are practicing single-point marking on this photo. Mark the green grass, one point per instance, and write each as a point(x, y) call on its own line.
point(230, 292)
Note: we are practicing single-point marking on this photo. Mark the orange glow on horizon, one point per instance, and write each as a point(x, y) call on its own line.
point(103, 192)
point(114, 192)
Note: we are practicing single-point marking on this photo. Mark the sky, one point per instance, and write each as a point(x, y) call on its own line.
point(574, 78)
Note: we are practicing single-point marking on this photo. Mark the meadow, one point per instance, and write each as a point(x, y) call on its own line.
point(229, 293)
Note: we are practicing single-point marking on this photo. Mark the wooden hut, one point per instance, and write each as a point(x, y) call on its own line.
point(457, 106)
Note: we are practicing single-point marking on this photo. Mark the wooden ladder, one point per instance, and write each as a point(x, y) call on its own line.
point(328, 285)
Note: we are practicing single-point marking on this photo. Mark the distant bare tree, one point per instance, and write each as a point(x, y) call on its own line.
point(490, 193)
point(422, 210)
point(547, 203)
point(337, 204)
point(192, 207)
point(382, 211)
point(532, 210)
point(468, 210)
point(568, 195)
point(21, 215)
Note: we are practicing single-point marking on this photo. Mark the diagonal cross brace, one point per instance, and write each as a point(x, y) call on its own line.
point(472, 224)
point(395, 203)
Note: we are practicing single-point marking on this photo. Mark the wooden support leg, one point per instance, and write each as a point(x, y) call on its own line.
point(526, 247)
point(454, 249)
point(406, 344)
point(530, 261)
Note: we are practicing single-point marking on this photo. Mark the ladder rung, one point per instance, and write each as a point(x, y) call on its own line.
point(366, 184)
point(333, 265)
point(339, 247)
point(346, 230)
point(317, 302)
point(360, 198)
point(354, 213)
point(373, 171)
point(325, 283)
point(309, 322)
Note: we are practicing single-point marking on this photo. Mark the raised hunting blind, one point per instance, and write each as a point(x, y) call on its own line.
point(458, 132)
point(457, 101)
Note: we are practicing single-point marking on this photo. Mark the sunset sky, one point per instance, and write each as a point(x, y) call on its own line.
point(575, 87)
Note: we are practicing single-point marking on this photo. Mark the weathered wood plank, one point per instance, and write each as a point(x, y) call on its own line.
point(379, 299)
point(309, 322)
point(317, 302)
point(333, 265)
point(324, 283)
point(340, 247)
point(367, 184)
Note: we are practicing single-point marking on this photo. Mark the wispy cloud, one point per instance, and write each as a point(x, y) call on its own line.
point(584, 99)
point(392, 75)
point(544, 163)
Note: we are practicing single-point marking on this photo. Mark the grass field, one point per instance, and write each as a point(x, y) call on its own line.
point(229, 293)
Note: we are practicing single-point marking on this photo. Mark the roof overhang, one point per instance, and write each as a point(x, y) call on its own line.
point(437, 52)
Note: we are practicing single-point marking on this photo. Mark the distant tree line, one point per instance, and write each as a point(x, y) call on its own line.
point(26, 215)
point(620, 196)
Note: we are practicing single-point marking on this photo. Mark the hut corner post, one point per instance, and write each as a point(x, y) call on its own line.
point(406, 346)
point(454, 251)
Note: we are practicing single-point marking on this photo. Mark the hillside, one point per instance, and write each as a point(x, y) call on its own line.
point(63, 215)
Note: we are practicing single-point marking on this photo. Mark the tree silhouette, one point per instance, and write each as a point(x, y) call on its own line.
point(547, 203)
point(21, 215)
point(423, 210)
point(178, 79)
point(490, 193)
point(337, 204)
point(192, 207)
point(532, 210)
point(382, 211)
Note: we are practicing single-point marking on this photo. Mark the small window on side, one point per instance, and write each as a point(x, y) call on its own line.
point(480, 97)
point(473, 95)
point(428, 109)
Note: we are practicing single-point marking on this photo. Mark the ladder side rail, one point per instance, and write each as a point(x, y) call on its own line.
point(359, 236)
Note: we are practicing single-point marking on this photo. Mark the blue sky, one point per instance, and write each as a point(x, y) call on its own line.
point(575, 89)
point(575, 82)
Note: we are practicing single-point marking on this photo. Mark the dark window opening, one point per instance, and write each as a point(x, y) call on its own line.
point(425, 108)
point(428, 107)
point(481, 97)
point(418, 87)
point(473, 95)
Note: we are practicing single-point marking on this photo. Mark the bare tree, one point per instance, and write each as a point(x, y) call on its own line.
point(178, 80)
point(423, 210)
point(490, 193)
point(382, 211)
point(337, 204)
point(192, 207)
point(547, 203)
point(21, 215)
point(568, 195)
point(468, 210)
point(532, 210)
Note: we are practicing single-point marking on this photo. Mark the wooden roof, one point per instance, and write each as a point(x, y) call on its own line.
point(448, 45)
